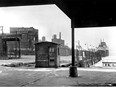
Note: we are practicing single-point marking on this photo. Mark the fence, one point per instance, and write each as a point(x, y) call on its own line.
point(87, 58)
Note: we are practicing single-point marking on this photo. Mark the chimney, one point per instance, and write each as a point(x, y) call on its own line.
point(43, 38)
point(54, 36)
point(60, 35)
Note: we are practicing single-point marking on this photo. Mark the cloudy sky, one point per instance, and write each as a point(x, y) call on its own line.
point(49, 19)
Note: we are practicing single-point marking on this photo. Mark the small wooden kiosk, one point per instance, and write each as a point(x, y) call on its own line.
point(47, 54)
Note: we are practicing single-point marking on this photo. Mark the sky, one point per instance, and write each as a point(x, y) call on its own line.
point(93, 36)
point(49, 20)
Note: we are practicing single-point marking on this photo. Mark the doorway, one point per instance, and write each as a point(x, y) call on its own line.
point(52, 55)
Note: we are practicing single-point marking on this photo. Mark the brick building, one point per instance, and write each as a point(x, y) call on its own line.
point(64, 50)
point(28, 37)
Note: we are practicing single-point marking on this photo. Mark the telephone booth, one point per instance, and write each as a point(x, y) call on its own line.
point(47, 54)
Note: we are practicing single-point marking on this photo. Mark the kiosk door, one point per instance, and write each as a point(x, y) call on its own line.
point(52, 56)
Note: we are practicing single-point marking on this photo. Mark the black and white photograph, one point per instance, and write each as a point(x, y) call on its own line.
point(57, 43)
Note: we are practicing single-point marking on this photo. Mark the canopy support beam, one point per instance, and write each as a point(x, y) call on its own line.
point(73, 68)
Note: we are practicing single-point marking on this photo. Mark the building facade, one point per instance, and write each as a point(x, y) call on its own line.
point(64, 50)
point(28, 37)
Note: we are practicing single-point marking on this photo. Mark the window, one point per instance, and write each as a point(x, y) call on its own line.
point(51, 49)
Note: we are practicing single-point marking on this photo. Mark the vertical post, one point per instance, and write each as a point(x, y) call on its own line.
point(73, 50)
point(5, 48)
point(2, 30)
point(37, 36)
point(73, 68)
point(16, 45)
point(1, 53)
point(19, 50)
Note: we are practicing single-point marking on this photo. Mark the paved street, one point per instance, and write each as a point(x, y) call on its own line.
point(18, 77)
point(55, 77)
point(86, 77)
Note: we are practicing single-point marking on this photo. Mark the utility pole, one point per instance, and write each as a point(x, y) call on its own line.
point(1, 53)
point(2, 30)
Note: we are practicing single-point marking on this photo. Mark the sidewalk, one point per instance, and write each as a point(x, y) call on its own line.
point(54, 77)
point(86, 77)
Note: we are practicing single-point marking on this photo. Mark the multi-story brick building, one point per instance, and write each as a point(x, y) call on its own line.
point(64, 50)
point(58, 40)
point(29, 36)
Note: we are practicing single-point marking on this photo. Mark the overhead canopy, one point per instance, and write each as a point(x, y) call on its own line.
point(84, 13)
point(4, 3)
point(90, 13)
